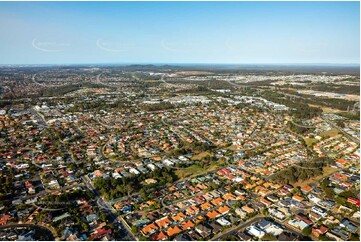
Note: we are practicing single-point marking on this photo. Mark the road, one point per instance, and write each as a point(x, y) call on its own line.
point(303, 126)
point(233, 230)
point(125, 231)
point(46, 231)
point(41, 121)
point(341, 130)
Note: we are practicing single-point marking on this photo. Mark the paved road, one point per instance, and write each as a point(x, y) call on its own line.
point(341, 130)
point(124, 230)
point(303, 126)
point(43, 229)
point(239, 227)
point(39, 118)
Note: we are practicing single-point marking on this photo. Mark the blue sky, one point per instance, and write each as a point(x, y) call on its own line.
point(179, 32)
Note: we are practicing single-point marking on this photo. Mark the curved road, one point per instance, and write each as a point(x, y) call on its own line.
point(41, 228)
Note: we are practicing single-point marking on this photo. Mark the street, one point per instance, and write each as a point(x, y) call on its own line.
point(124, 230)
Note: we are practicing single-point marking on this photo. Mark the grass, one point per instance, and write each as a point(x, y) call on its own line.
point(310, 141)
point(201, 155)
point(152, 81)
point(194, 170)
point(326, 171)
point(233, 147)
point(329, 133)
point(325, 109)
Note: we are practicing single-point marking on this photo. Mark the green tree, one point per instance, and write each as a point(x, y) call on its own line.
point(307, 231)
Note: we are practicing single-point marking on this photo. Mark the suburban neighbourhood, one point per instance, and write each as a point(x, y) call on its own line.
point(214, 166)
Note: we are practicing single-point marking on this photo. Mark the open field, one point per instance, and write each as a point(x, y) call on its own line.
point(326, 109)
point(201, 155)
point(152, 81)
point(329, 133)
point(310, 141)
point(326, 171)
point(233, 147)
point(194, 170)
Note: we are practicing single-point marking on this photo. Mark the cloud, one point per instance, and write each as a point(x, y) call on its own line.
point(47, 46)
point(113, 46)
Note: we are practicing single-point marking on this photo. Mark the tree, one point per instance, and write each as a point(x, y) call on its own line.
point(269, 237)
point(355, 237)
point(307, 231)
point(324, 238)
point(340, 124)
point(134, 229)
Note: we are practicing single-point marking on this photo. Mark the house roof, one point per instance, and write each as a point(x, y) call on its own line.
point(190, 211)
point(148, 229)
point(240, 197)
point(186, 225)
point(179, 216)
point(163, 222)
point(265, 201)
point(212, 214)
point(172, 231)
point(206, 206)
point(100, 233)
point(247, 209)
point(217, 201)
point(341, 161)
point(199, 219)
point(158, 236)
point(228, 196)
point(306, 188)
point(223, 209)
point(298, 198)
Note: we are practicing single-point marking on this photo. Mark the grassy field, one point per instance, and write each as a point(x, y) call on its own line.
point(152, 81)
point(329, 133)
point(326, 171)
point(310, 141)
point(233, 147)
point(326, 109)
point(201, 155)
point(194, 170)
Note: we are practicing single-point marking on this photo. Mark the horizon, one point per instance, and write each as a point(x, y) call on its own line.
point(212, 33)
point(191, 64)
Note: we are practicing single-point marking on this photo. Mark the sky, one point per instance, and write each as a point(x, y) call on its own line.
point(179, 32)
